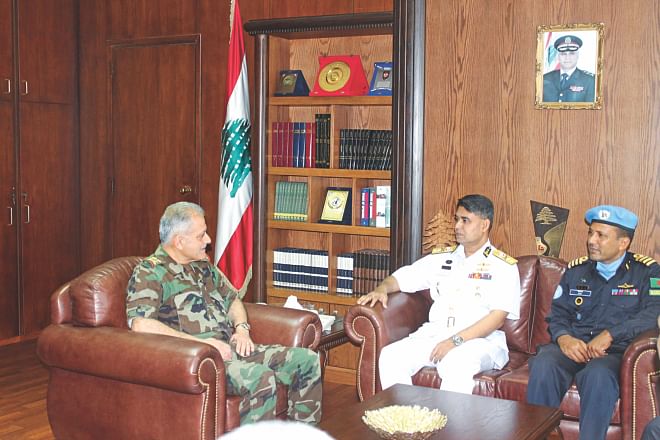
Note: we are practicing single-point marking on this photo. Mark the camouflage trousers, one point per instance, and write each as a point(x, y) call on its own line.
point(255, 377)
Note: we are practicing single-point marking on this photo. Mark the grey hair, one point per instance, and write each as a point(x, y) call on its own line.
point(177, 219)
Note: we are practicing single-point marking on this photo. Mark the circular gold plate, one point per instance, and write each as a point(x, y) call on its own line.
point(334, 76)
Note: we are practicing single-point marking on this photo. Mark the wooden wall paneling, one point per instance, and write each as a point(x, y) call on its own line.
point(154, 119)
point(296, 8)
point(372, 5)
point(9, 304)
point(95, 156)
point(6, 51)
point(142, 18)
point(42, 46)
point(486, 136)
point(47, 199)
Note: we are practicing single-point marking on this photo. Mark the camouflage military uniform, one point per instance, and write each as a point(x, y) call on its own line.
point(192, 298)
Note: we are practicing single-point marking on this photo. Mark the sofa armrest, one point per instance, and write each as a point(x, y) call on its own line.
point(640, 372)
point(146, 359)
point(373, 328)
point(288, 327)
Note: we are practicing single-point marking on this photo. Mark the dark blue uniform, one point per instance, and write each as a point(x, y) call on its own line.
point(579, 87)
point(625, 306)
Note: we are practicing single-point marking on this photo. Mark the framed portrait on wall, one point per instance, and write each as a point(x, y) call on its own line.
point(569, 66)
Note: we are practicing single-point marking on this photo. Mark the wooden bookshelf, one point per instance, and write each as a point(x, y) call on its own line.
point(296, 43)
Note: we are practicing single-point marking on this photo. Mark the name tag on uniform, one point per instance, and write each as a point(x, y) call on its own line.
point(625, 292)
point(579, 292)
point(480, 276)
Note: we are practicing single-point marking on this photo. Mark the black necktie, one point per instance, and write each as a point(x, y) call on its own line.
point(563, 80)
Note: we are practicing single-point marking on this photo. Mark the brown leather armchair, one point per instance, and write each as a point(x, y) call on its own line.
point(107, 382)
point(373, 328)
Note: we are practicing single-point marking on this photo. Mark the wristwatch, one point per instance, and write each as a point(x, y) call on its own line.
point(245, 325)
point(457, 340)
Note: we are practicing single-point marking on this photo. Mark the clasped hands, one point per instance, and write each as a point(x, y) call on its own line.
point(240, 340)
point(581, 352)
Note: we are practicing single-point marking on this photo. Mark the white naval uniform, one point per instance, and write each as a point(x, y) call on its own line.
point(464, 290)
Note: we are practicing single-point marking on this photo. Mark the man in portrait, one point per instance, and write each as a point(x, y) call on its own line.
point(568, 83)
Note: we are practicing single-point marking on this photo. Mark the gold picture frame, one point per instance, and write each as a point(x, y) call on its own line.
point(569, 66)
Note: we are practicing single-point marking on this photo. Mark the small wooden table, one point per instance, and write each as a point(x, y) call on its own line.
point(468, 417)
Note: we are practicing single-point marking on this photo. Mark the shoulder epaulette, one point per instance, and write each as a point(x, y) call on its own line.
point(578, 261)
point(152, 261)
point(643, 259)
point(504, 256)
point(444, 250)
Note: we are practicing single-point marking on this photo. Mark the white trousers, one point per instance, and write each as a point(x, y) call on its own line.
point(402, 359)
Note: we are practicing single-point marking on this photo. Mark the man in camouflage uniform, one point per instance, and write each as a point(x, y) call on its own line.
point(177, 291)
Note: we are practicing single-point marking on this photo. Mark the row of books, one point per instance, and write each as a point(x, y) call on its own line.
point(358, 273)
point(301, 144)
point(375, 206)
point(300, 269)
point(370, 267)
point(361, 149)
point(290, 201)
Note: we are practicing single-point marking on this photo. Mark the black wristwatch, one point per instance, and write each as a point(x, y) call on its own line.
point(245, 325)
point(457, 340)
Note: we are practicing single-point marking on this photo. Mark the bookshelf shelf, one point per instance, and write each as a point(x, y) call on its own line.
point(320, 101)
point(329, 172)
point(337, 229)
point(330, 298)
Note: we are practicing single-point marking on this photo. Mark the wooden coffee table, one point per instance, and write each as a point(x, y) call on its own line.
point(468, 417)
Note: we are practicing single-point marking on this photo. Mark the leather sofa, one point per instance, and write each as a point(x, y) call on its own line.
point(108, 382)
point(373, 328)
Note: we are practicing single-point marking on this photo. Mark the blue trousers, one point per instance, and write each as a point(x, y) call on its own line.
point(551, 374)
point(652, 430)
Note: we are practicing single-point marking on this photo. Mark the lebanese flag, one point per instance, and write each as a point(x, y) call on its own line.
point(233, 249)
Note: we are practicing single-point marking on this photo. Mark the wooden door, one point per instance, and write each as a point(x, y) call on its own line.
point(47, 46)
point(155, 135)
point(7, 85)
point(48, 205)
point(8, 225)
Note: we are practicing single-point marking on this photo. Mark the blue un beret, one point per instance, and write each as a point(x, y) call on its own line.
point(612, 215)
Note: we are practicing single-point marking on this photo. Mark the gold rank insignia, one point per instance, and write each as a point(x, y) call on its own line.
point(444, 250)
point(578, 261)
point(647, 261)
point(625, 286)
point(503, 256)
point(152, 260)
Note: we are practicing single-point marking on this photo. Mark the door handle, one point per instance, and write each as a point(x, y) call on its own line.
point(11, 215)
point(25, 88)
point(8, 89)
point(27, 208)
point(185, 189)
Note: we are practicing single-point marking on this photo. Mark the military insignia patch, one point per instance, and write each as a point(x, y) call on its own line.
point(578, 261)
point(152, 260)
point(645, 260)
point(504, 257)
point(578, 292)
point(444, 250)
point(625, 292)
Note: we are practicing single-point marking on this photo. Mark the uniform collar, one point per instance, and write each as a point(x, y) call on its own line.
point(568, 72)
point(170, 263)
point(481, 251)
point(607, 270)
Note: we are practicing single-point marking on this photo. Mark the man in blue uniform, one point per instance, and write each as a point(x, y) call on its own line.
point(568, 83)
point(602, 303)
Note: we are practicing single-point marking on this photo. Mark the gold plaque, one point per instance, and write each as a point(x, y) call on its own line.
point(334, 76)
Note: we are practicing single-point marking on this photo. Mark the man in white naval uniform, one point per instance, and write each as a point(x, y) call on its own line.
point(474, 288)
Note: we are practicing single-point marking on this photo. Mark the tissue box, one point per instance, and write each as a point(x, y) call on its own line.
point(326, 321)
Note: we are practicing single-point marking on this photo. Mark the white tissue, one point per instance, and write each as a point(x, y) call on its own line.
point(292, 303)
